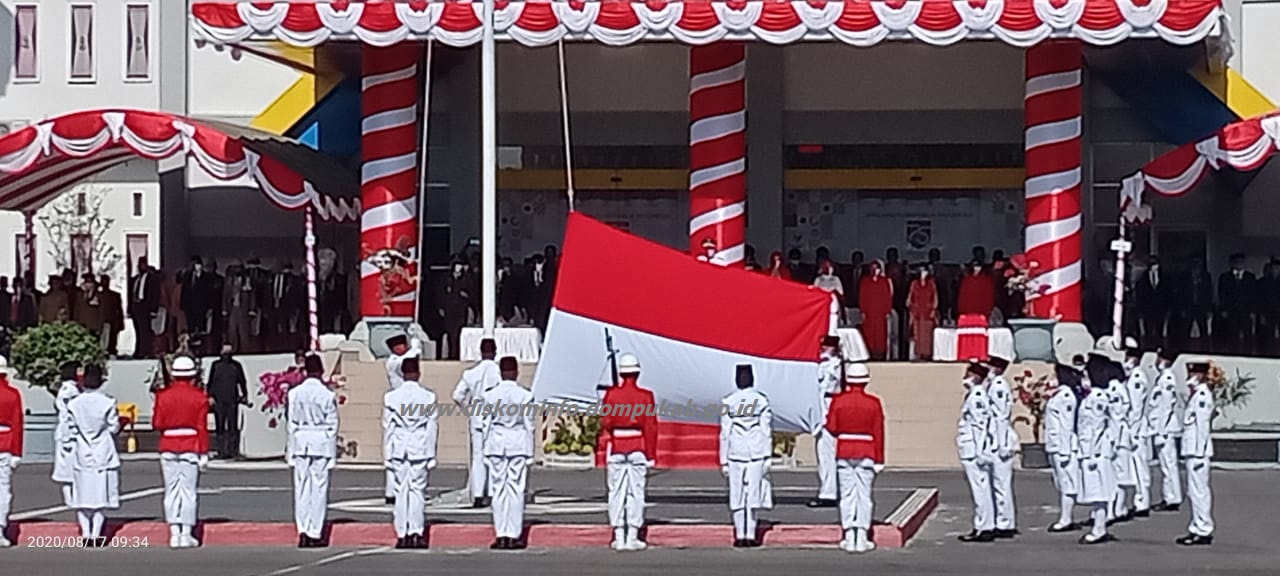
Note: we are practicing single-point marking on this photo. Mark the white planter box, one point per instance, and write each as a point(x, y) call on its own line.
point(569, 461)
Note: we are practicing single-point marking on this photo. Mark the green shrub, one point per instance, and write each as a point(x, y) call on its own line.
point(40, 351)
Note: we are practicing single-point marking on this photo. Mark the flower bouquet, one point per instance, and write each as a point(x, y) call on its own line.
point(1228, 391)
point(274, 388)
point(1020, 278)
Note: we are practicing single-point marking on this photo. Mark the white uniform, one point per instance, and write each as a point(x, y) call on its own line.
point(1006, 439)
point(411, 452)
point(95, 485)
point(824, 441)
point(1197, 450)
point(312, 452)
point(508, 447)
point(977, 450)
point(1095, 430)
point(1122, 436)
point(746, 446)
point(394, 380)
point(63, 442)
point(471, 387)
point(1060, 444)
point(1140, 458)
point(1165, 425)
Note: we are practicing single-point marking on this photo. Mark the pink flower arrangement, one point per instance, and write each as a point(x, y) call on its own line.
point(1020, 277)
point(275, 386)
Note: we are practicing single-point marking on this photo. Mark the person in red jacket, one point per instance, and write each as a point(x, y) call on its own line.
point(10, 444)
point(857, 420)
point(629, 426)
point(181, 417)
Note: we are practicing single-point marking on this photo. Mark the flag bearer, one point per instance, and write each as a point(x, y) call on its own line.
point(630, 430)
point(508, 447)
point(312, 451)
point(95, 487)
point(746, 445)
point(11, 427)
point(1197, 449)
point(829, 384)
point(401, 349)
point(1096, 431)
point(181, 416)
point(977, 449)
point(1165, 425)
point(477, 380)
point(1136, 386)
point(63, 442)
point(1001, 398)
point(857, 421)
point(1060, 442)
point(412, 429)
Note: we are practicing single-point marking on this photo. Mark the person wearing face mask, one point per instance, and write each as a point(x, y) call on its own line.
point(1136, 386)
point(1153, 300)
point(1096, 432)
point(830, 380)
point(976, 445)
point(63, 442)
point(856, 419)
point(977, 292)
point(228, 388)
point(745, 450)
point(1006, 439)
point(197, 296)
point(827, 280)
point(1060, 442)
point(507, 292)
point(799, 271)
point(541, 289)
point(1165, 426)
point(95, 486)
point(710, 253)
point(455, 304)
point(1125, 448)
point(11, 429)
point(922, 305)
point(1237, 298)
point(1197, 450)
point(181, 416)
point(778, 268)
point(875, 299)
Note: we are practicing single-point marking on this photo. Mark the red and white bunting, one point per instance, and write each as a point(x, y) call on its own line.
point(40, 161)
point(620, 22)
point(1243, 146)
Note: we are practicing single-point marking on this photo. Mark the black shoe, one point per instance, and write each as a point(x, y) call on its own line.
point(753, 543)
point(486, 502)
point(303, 541)
point(1166, 507)
point(516, 544)
point(1006, 534)
point(1089, 540)
point(1195, 540)
point(1142, 514)
point(418, 541)
point(975, 536)
point(390, 499)
point(1055, 529)
point(499, 544)
point(739, 543)
point(402, 543)
point(478, 503)
point(822, 503)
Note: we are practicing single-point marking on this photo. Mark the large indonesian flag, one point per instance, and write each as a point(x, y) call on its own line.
point(690, 323)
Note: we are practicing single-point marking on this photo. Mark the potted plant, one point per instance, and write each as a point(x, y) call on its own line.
point(784, 450)
point(1033, 393)
point(37, 356)
point(1032, 337)
point(573, 442)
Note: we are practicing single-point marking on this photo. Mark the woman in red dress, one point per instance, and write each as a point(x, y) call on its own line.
point(977, 292)
point(922, 304)
point(875, 298)
point(777, 267)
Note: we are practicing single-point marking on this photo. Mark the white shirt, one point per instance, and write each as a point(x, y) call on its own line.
point(508, 434)
point(1001, 399)
point(1162, 406)
point(1118, 397)
point(746, 437)
point(1196, 423)
point(94, 422)
point(410, 435)
point(1136, 388)
point(973, 431)
point(313, 420)
point(830, 283)
point(67, 392)
point(1060, 422)
point(394, 377)
point(475, 381)
point(1095, 427)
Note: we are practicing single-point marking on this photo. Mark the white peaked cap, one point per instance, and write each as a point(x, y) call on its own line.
point(856, 373)
point(1130, 343)
point(183, 367)
point(628, 364)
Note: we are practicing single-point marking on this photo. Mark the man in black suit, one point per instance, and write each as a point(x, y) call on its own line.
point(508, 290)
point(1269, 309)
point(285, 309)
point(1153, 297)
point(1238, 302)
point(228, 388)
point(1194, 296)
point(6, 302)
point(144, 300)
point(196, 297)
point(455, 301)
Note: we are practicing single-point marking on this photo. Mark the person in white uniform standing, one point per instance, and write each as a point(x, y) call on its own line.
point(1126, 476)
point(312, 451)
point(63, 442)
point(1197, 450)
point(977, 450)
point(746, 446)
point(11, 430)
point(1060, 443)
point(1096, 432)
point(1165, 426)
point(401, 349)
point(1006, 439)
point(475, 381)
point(1137, 386)
point(413, 429)
point(508, 447)
point(95, 485)
point(829, 384)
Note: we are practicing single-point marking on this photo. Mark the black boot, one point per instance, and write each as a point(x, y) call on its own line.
point(1166, 507)
point(402, 543)
point(976, 536)
point(1006, 534)
point(739, 543)
point(499, 543)
point(418, 541)
point(822, 503)
point(303, 541)
point(390, 499)
point(478, 503)
point(1195, 540)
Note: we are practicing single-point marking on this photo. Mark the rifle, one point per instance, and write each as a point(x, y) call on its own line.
point(613, 361)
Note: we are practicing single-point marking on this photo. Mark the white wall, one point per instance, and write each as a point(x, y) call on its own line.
point(227, 84)
point(1259, 46)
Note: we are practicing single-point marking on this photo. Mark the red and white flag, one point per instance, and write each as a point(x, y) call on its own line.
point(689, 323)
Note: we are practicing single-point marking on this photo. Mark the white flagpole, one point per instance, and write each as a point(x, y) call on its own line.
point(424, 156)
point(313, 306)
point(564, 113)
point(489, 173)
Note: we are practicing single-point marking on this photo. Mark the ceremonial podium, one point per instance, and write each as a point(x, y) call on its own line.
point(971, 337)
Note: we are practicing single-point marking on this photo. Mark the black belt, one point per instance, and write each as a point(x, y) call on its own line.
point(830, 394)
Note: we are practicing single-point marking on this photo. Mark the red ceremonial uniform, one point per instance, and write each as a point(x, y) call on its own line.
point(632, 423)
point(10, 419)
point(181, 415)
point(857, 421)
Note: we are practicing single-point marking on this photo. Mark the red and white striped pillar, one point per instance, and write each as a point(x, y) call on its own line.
point(388, 176)
point(1053, 145)
point(718, 150)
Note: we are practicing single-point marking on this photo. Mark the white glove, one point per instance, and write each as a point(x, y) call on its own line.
point(725, 470)
point(333, 463)
point(878, 468)
point(204, 462)
point(415, 344)
point(650, 463)
point(14, 461)
point(1005, 454)
point(431, 464)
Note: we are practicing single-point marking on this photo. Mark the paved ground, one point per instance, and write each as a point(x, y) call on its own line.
point(1247, 513)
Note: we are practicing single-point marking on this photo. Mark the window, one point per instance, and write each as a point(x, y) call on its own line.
point(82, 254)
point(137, 43)
point(136, 246)
point(137, 204)
point(82, 204)
point(21, 256)
point(82, 43)
point(26, 64)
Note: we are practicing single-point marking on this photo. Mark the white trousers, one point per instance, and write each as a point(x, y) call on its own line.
point(391, 488)
point(1002, 493)
point(825, 446)
point(1142, 473)
point(508, 476)
point(310, 493)
point(409, 514)
point(181, 477)
point(855, 479)
point(1170, 479)
point(1201, 496)
point(478, 474)
point(627, 476)
point(1066, 473)
point(6, 490)
point(979, 477)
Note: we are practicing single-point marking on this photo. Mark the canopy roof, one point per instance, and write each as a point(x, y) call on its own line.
point(1245, 145)
point(39, 162)
point(621, 22)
